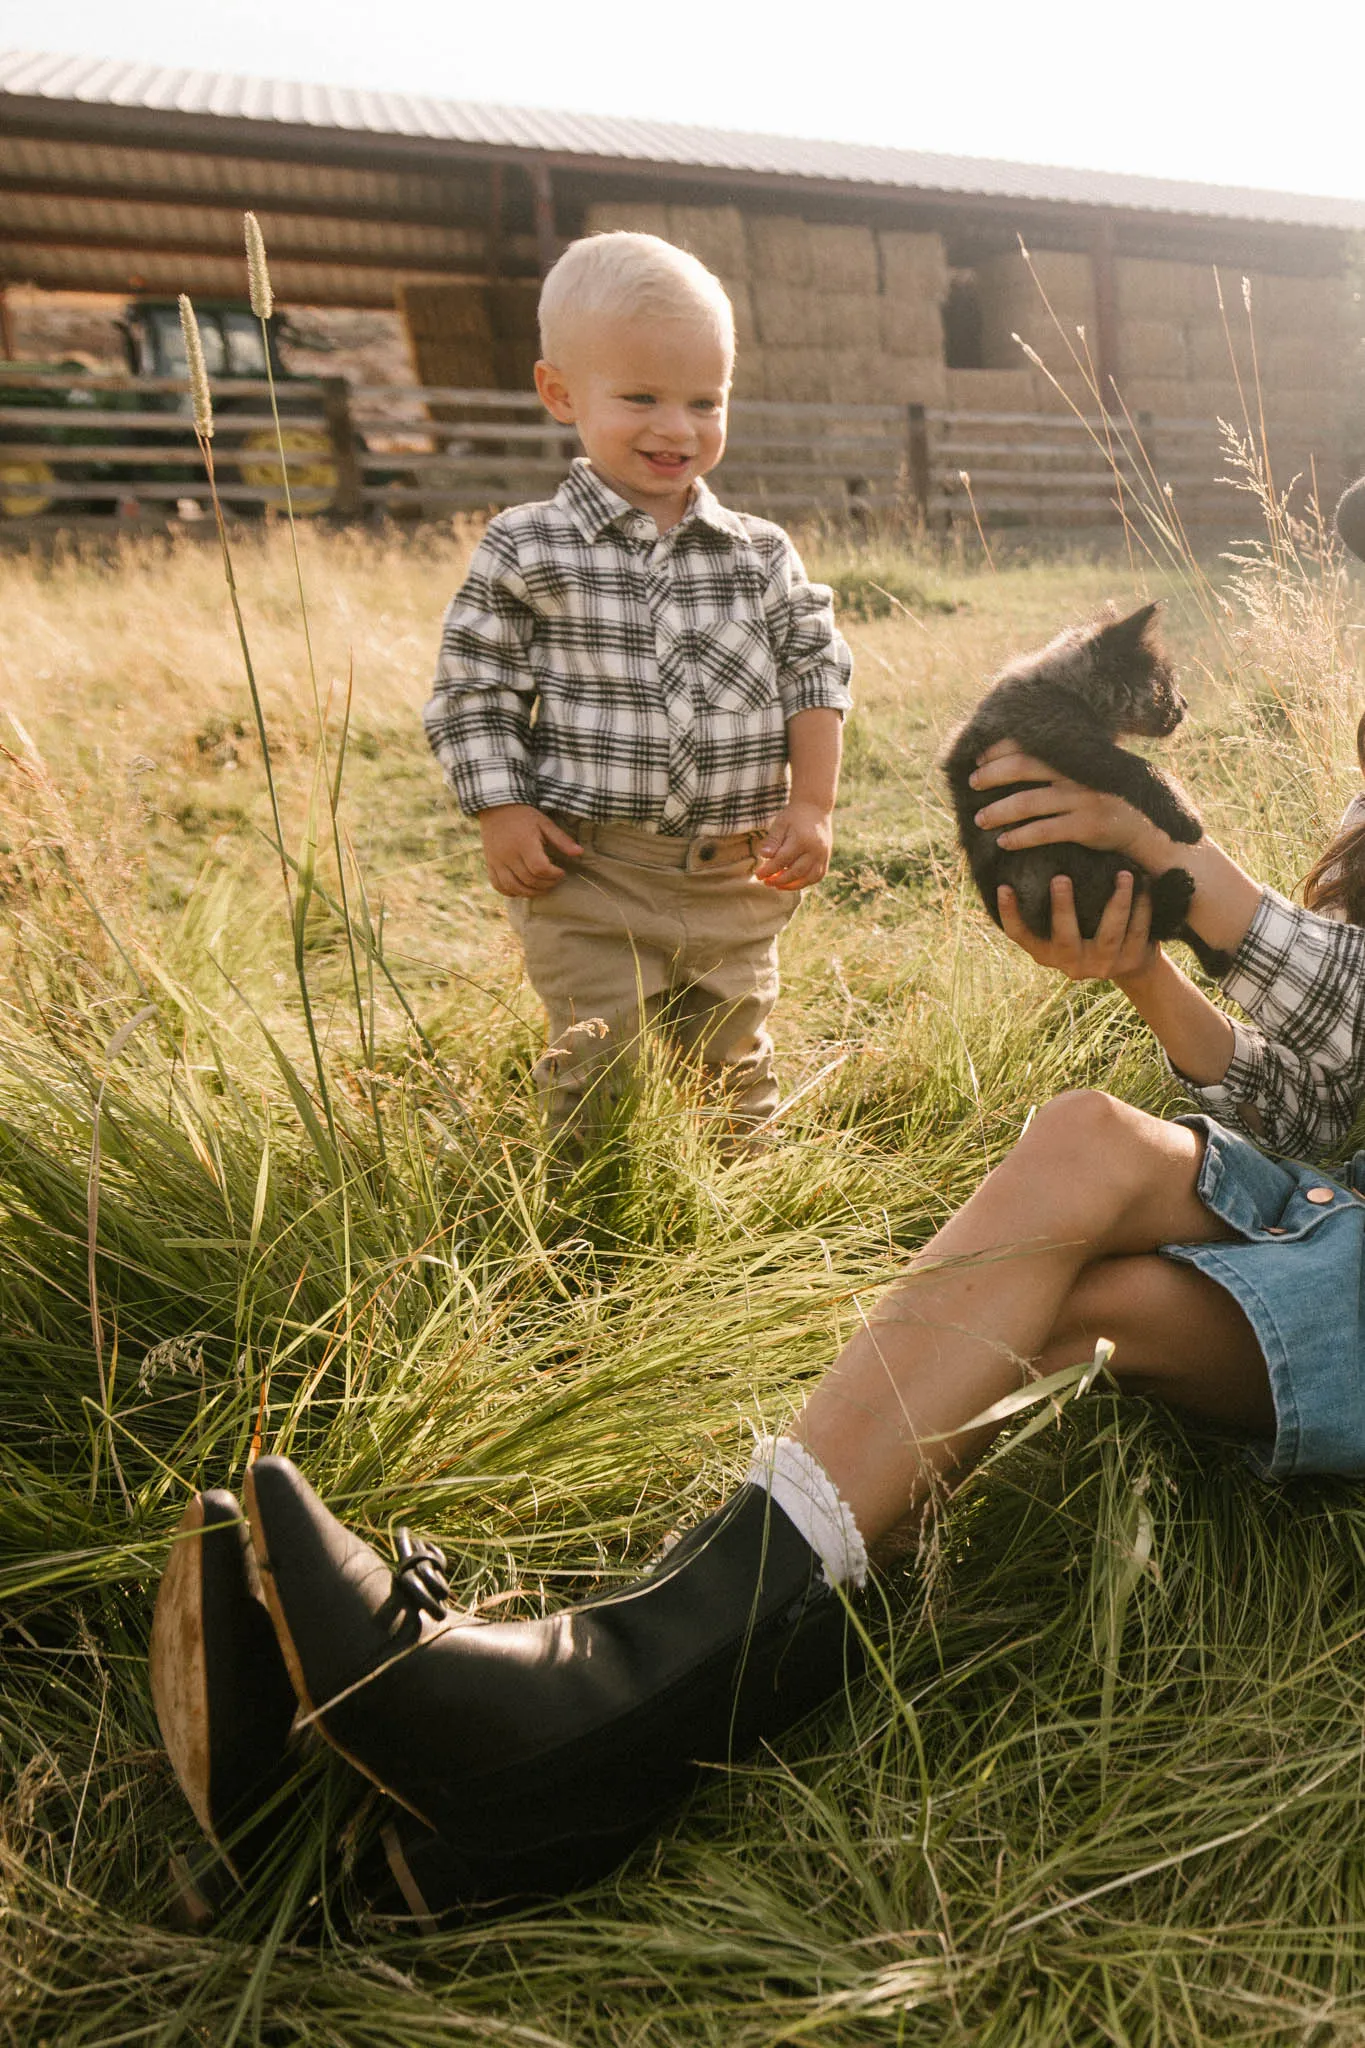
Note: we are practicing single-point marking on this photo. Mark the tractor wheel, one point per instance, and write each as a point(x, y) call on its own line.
point(25, 488)
point(312, 485)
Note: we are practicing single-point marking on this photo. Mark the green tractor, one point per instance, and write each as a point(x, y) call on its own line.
point(36, 479)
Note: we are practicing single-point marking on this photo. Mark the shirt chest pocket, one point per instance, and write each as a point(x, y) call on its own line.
point(733, 665)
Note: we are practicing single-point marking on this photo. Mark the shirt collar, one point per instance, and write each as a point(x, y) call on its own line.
point(595, 508)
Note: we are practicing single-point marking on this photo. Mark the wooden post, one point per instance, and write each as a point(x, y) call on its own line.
point(1106, 311)
point(543, 205)
point(1145, 466)
point(493, 249)
point(6, 327)
point(917, 467)
point(336, 405)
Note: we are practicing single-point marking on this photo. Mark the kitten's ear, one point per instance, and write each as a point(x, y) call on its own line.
point(1125, 636)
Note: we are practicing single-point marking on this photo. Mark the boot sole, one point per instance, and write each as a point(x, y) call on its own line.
point(179, 1669)
point(220, 1686)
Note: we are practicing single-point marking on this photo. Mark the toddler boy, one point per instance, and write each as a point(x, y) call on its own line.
point(640, 697)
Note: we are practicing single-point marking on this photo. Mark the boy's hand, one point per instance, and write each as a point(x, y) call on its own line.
point(1062, 810)
point(1121, 950)
point(796, 848)
point(517, 843)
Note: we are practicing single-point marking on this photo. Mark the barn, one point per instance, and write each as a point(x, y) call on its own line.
point(863, 277)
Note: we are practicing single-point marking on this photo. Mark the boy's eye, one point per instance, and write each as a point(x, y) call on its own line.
point(706, 405)
point(639, 398)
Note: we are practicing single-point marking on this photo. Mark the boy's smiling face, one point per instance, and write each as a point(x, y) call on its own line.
point(648, 399)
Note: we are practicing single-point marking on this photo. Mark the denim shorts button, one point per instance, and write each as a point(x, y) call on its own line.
point(1320, 1195)
point(709, 853)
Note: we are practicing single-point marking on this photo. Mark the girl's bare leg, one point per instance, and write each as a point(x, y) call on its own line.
point(1053, 1249)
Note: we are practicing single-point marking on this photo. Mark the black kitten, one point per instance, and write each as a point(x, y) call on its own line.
point(1064, 704)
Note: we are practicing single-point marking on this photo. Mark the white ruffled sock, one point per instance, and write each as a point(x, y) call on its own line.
point(807, 1496)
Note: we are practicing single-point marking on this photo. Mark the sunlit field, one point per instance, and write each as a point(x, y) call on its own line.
point(269, 1163)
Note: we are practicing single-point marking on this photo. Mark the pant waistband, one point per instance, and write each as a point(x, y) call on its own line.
point(657, 850)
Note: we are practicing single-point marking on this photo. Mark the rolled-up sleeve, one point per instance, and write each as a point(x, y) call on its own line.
point(478, 717)
point(814, 665)
point(1294, 1081)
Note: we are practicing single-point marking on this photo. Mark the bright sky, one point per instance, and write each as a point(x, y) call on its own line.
point(1245, 95)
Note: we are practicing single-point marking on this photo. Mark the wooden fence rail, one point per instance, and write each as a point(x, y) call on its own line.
point(77, 448)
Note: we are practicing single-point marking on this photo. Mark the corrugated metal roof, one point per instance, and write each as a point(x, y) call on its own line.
point(116, 83)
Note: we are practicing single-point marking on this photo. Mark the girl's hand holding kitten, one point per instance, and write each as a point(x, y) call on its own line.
point(1062, 810)
point(1121, 951)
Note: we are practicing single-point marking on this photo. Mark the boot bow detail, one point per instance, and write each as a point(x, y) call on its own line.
point(419, 1577)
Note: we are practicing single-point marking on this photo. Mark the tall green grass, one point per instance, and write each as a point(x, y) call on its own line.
point(1105, 1784)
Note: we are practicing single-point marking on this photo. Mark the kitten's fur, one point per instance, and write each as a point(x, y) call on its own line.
point(1065, 704)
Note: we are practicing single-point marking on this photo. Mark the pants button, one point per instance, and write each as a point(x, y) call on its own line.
point(706, 853)
point(1320, 1195)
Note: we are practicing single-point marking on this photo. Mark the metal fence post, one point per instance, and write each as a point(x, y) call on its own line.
point(347, 502)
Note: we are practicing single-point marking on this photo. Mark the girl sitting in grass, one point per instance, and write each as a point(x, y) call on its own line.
point(527, 1757)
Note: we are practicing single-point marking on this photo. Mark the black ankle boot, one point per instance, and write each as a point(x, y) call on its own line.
point(541, 1752)
point(223, 1699)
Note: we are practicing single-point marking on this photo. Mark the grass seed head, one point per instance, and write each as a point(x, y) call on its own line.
point(199, 376)
point(257, 270)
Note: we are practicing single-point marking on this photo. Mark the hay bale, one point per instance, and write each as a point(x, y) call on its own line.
point(798, 376)
point(1069, 395)
point(1152, 348)
point(1006, 336)
point(911, 380)
point(1177, 398)
point(779, 249)
point(843, 259)
point(450, 330)
point(1303, 359)
point(741, 299)
point(911, 328)
point(751, 374)
point(632, 216)
point(1148, 288)
point(1207, 354)
point(1017, 286)
point(1311, 407)
point(713, 234)
point(786, 315)
point(913, 267)
point(859, 376)
point(849, 320)
point(990, 390)
point(516, 333)
point(1293, 305)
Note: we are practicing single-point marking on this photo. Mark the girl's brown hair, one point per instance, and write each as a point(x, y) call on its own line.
point(1336, 880)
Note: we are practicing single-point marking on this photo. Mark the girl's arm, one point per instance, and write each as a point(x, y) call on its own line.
point(1294, 1086)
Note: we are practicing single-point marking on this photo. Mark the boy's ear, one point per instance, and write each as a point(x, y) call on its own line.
point(1126, 635)
point(553, 392)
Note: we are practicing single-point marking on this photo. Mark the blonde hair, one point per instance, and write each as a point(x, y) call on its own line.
point(620, 275)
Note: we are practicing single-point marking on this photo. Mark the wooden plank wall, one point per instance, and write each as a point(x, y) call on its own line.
point(123, 448)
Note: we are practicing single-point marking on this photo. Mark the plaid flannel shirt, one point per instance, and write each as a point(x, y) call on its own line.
point(1301, 976)
point(593, 666)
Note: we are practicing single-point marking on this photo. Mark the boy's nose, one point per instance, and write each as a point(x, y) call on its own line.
point(675, 426)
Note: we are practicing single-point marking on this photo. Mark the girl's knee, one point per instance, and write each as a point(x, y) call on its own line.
point(1084, 1121)
point(1097, 1142)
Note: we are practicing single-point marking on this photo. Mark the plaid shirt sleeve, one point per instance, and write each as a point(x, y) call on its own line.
point(1301, 978)
point(814, 664)
point(478, 718)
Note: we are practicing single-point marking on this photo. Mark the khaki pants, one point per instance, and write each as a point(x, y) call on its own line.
point(646, 930)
